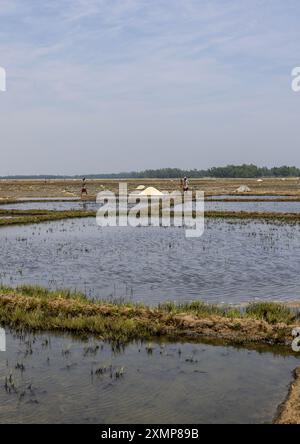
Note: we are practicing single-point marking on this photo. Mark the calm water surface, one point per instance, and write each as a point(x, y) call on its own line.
point(270, 206)
point(233, 262)
point(57, 379)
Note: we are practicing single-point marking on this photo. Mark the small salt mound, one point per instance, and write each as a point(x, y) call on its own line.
point(243, 189)
point(140, 187)
point(151, 191)
point(68, 193)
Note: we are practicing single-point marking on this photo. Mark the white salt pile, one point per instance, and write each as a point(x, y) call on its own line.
point(243, 189)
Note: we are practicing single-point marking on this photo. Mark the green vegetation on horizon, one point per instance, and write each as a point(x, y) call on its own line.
point(229, 171)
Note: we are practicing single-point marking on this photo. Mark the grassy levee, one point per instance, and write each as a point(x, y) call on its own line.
point(23, 217)
point(35, 308)
point(245, 215)
point(19, 217)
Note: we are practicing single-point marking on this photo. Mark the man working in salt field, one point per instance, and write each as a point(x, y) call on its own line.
point(83, 188)
point(185, 184)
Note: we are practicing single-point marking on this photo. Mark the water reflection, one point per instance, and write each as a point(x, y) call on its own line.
point(231, 263)
point(49, 378)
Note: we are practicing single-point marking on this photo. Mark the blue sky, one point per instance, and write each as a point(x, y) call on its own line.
point(113, 85)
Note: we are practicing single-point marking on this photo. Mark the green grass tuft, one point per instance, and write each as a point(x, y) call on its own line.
point(270, 312)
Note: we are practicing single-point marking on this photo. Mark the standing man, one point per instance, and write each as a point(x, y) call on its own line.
point(185, 184)
point(83, 188)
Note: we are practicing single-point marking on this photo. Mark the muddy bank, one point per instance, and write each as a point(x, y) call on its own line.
point(39, 309)
point(16, 189)
point(289, 411)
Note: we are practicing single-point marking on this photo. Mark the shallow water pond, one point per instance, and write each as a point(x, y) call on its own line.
point(271, 206)
point(48, 378)
point(262, 207)
point(232, 262)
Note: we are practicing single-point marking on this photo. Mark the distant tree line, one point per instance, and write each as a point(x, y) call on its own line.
point(229, 171)
point(253, 171)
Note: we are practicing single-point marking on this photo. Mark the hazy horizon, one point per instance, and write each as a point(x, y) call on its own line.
point(88, 174)
point(108, 86)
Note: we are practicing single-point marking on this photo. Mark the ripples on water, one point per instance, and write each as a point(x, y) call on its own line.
point(270, 206)
point(55, 379)
point(232, 262)
point(262, 207)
